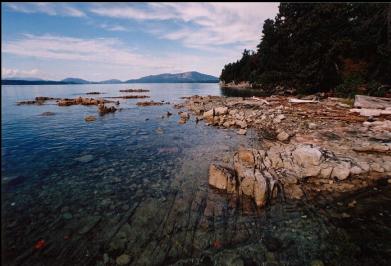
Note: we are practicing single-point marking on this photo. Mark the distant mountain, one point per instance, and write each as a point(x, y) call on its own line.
point(186, 77)
point(75, 81)
point(110, 81)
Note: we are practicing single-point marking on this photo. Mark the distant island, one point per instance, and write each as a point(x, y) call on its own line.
point(186, 77)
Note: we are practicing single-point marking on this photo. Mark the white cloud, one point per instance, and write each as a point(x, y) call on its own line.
point(211, 24)
point(110, 27)
point(108, 56)
point(52, 9)
point(11, 73)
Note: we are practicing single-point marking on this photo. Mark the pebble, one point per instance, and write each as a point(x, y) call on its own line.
point(67, 216)
point(123, 259)
point(242, 132)
point(317, 263)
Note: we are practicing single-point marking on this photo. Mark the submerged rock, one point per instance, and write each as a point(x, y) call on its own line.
point(89, 118)
point(85, 159)
point(47, 114)
point(123, 259)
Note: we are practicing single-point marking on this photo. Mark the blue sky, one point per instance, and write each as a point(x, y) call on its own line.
point(98, 41)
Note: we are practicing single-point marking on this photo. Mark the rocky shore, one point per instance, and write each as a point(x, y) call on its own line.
point(309, 146)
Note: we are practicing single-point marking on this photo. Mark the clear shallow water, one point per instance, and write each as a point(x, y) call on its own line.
point(135, 183)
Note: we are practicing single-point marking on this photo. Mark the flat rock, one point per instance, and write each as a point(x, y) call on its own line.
point(123, 259)
point(363, 101)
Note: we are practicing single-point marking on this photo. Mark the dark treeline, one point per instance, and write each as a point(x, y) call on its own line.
point(316, 47)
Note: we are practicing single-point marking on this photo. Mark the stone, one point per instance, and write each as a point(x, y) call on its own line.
point(89, 118)
point(85, 159)
point(184, 115)
point(312, 125)
point(47, 114)
point(221, 111)
point(283, 136)
point(317, 263)
point(305, 155)
point(241, 124)
point(352, 204)
point(279, 118)
point(67, 216)
point(293, 191)
point(341, 171)
point(242, 131)
point(377, 168)
point(222, 177)
point(209, 114)
point(123, 259)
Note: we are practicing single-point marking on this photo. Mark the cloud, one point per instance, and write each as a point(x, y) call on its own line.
point(110, 54)
point(112, 27)
point(204, 25)
point(10, 73)
point(52, 9)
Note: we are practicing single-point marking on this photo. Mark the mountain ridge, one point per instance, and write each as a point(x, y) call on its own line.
point(184, 77)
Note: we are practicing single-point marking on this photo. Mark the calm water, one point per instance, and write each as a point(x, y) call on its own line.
point(134, 183)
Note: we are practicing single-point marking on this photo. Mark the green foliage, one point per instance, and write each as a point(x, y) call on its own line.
point(350, 86)
point(319, 47)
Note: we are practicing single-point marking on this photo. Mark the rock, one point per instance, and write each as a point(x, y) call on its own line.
point(283, 136)
point(363, 101)
point(149, 103)
point(123, 259)
point(312, 125)
point(67, 216)
point(89, 118)
point(242, 131)
point(343, 105)
point(341, 171)
point(279, 118)
point(85, 159)
point(293, 191)
point(47, 114)
point(159, 130)
point(184, 115)
point(221, 111)
point(134, 90)
point(317, 263)
point(241, 124)
point(222, 177)
point(370, 112)
point(377, 168)
point(375, 147)
point(169, 114)
point(103, 109)
point(352, 204)
point(305, 154)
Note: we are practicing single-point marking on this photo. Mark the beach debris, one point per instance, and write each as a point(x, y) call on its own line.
point(295, 100)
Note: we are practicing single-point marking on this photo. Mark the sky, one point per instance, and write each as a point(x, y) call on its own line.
point(100, 41)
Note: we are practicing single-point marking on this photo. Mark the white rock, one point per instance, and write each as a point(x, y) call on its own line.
point(282, 136)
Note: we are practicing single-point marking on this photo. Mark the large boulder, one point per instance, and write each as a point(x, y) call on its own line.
point(308, 158)
point(222, 177)
point(363, 101)
point(221, 110)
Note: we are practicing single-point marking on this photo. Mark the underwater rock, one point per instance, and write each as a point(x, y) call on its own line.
point(47, 114)
point(85, 159)
point(89, 118)
point(123, 259)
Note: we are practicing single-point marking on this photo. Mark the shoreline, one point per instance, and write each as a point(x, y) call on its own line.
point(309, 147)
